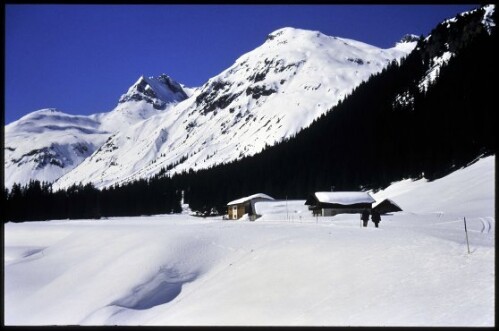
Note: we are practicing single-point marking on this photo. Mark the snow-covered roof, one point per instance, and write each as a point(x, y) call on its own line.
point(254, 196)
point(388, 200)
point(344, 198)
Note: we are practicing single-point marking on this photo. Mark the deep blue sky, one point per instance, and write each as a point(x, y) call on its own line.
point(81, 58)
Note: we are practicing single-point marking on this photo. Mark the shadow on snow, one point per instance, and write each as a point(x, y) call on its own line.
point(162, 288)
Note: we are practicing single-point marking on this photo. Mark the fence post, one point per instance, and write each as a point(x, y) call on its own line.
point(466, 230)
point(287, 213)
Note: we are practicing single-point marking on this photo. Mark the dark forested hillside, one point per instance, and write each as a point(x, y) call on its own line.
point(36, 201)
point(390, 128)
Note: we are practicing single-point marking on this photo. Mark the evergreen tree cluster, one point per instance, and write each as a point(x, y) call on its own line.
point(37, 201)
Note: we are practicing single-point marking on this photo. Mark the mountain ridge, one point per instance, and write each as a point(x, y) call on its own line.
point(157, 116)
point(268, 94)
point(64, 140)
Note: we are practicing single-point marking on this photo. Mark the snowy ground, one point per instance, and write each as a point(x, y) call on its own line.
point(286, 268)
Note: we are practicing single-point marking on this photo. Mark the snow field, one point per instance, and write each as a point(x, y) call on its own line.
point(182, 270)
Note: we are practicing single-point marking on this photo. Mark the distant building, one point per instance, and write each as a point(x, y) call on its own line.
point(333, 203)
point(387, 206)
point(237, 208)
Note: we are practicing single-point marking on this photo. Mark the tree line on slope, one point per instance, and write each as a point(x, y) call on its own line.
point(37, 201)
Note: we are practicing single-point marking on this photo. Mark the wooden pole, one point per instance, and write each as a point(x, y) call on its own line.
point(287, 214)
point(466, 230)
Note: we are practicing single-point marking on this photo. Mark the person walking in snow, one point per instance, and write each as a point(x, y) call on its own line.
point(375, 217)
point(365, 217)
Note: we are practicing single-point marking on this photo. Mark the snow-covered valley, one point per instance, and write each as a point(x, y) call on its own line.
point(287, 268)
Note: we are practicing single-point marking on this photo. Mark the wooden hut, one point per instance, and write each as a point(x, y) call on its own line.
point(237, 208)
point(387, 206)
point(333, 203)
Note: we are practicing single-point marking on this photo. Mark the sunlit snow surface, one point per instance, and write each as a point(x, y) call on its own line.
point(286, 268)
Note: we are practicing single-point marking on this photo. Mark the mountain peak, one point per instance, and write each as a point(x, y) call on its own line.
point(41, 113)
point(158, 91)
point(286, 33)
point(407, 43)
point(409, 38)
point(279, 32)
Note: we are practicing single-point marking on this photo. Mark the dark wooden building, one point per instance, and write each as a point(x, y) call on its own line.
point(387, 206)
point(333, 203)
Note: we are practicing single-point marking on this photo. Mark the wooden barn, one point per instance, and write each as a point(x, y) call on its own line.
point(387, 206)
point(333, 203)
point(237, 208)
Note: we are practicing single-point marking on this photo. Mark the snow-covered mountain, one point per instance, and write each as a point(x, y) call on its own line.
point(46, 144)
point(268, 94)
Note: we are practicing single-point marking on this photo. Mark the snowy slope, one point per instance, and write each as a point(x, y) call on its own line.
point(268, 94)
point(48, 143)
point(181, 270)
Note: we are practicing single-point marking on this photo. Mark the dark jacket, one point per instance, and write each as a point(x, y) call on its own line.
point(375, 216)
point(365, 215)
